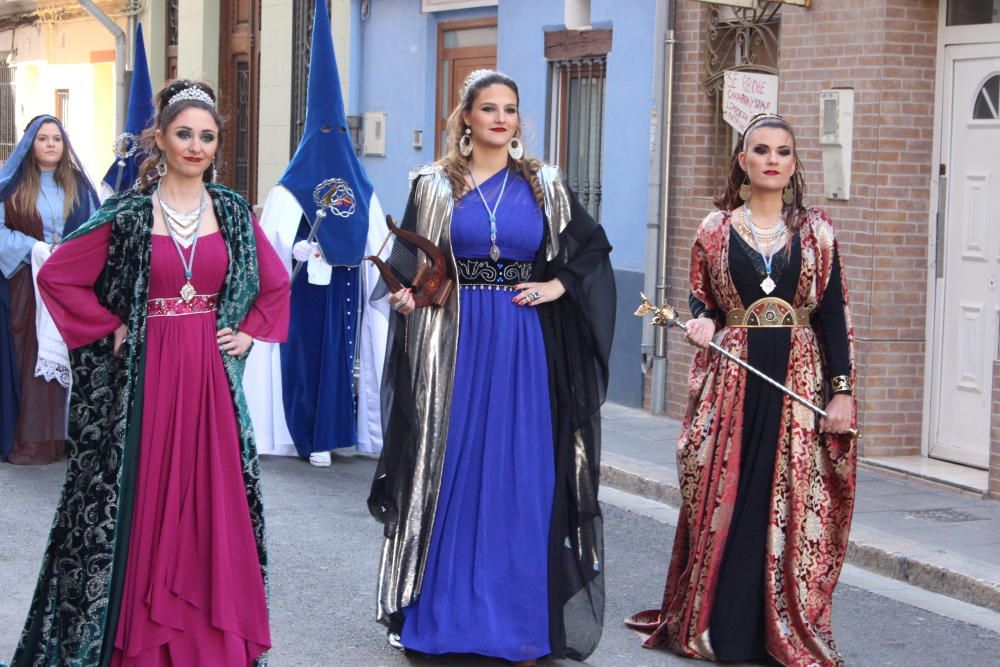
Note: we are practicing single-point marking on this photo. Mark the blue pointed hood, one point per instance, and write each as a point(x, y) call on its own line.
point(326, 152)
point(141, 113)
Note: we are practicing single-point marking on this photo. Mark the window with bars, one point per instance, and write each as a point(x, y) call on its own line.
point(578, 78)
point(8, 129)
point(171, 41)
point(578, 126)
point(62, 105)
point(743, 39)
point(303, 12)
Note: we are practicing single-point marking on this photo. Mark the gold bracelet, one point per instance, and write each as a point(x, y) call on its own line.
point(841, 383)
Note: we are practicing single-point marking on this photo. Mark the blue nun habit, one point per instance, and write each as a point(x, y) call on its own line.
point(139, 117)
point(10, 179)
point(317, 362)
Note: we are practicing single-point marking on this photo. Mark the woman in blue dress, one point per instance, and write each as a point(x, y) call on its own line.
point(487, 484)
point(44, 195)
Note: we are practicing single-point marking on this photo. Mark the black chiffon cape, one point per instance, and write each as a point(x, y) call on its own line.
point(578, 330)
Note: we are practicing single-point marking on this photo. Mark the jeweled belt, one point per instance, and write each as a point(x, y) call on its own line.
point(175, 307)
point(768, 312)
point(502, 274)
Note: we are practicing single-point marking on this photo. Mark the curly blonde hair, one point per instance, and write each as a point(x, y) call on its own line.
point(456, 165)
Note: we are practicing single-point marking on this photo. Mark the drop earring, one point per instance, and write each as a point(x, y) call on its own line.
point(515, 148)
point(161, 167)
point(788, 195)
point(745, 190)
point(465, 143)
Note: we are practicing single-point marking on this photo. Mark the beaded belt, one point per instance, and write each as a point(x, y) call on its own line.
point(768, 312)
point(200, 303)
point(502, 274)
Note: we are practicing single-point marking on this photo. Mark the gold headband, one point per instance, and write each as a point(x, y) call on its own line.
point(757, 119)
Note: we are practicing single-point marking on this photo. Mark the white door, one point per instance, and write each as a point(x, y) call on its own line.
point(969, 261)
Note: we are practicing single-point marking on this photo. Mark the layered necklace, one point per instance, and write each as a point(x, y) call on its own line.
point(772, 238)
point(184, 233)
point(494, 248)
point(183, 226)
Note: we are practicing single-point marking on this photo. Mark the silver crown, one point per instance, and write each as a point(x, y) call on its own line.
point(476, 75)
point(192, 93)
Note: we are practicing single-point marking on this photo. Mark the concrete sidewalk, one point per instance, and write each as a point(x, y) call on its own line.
point(938, 540)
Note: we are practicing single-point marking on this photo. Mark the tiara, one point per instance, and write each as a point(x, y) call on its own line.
point(477, 74)
point(192, 93)
point(759, 118)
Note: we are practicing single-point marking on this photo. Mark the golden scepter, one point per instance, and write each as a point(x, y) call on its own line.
point(666, 316)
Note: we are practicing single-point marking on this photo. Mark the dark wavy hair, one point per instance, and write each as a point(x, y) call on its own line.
point(165, 115)
point(730, 198)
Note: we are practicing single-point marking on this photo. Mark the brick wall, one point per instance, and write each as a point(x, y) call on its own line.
point(885, 50)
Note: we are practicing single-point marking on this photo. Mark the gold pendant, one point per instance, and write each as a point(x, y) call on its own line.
point(188, 292)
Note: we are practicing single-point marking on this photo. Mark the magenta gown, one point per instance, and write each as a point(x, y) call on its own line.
point(194, 593)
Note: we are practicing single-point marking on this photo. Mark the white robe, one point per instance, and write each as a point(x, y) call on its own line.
point(262, 378)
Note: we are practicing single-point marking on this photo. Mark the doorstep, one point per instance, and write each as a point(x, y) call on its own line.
point(931, 472)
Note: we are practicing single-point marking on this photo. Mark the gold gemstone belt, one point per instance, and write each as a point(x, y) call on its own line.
point(768, 312)
point(174, 307)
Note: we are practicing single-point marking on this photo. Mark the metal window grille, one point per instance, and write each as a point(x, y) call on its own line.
point(8, 130)
point(743, 39)
point(577, 125)
point(303, 12)
point(172, 23)
point(62, 105)
point(241, 172)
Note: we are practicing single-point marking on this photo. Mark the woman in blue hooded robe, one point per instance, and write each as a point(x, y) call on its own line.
point(44, 195)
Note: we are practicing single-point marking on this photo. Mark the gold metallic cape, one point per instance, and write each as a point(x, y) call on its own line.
point(417, 412)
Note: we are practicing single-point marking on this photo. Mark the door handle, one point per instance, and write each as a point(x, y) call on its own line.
point(942, 208)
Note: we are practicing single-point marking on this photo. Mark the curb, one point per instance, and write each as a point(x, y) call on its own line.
point(937, 570)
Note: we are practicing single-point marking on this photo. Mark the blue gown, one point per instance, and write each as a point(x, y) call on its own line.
point(485, 587)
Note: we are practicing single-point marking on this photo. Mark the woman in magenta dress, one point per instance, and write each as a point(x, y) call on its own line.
point(157, 555)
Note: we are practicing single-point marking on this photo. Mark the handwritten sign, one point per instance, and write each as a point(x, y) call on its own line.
point(746, 94)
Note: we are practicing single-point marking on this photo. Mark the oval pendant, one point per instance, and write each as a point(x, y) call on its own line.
point(188, 292)
point(494, 252)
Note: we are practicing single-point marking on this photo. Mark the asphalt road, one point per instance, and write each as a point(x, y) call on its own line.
point(324, 553)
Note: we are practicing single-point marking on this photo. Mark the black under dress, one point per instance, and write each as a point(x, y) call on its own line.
point(737, 623)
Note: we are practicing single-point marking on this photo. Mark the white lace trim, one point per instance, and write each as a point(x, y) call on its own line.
point(50, 370)
point(53, 356)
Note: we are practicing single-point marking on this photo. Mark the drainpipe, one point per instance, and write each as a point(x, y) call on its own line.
point(120, 54)
point(658, 400)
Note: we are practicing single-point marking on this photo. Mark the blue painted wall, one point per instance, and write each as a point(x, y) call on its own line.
point(399, 77)
point(394, 64)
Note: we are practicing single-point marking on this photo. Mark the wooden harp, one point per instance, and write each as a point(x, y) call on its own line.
point(427, 277)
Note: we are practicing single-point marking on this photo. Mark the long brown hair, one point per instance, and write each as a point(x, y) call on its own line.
point(456, 165)
point(25, 198)
point(165, 115)
point(730, 199)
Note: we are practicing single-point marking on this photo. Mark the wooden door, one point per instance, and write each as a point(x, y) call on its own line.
point(463, 47)
point(239, 90)
point(969, 294)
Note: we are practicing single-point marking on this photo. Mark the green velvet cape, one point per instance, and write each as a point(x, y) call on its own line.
point(74, 611)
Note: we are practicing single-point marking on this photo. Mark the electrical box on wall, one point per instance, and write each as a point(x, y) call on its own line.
point(836, 135)
point(373, 132)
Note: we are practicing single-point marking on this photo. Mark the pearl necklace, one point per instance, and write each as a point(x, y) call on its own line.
point(768, 284)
